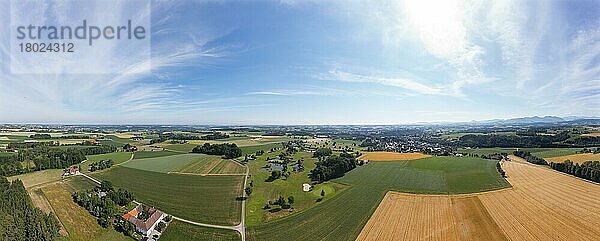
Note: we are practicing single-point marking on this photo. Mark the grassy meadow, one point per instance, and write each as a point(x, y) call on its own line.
point(178, 230)
point(151, 154)
point(208, 199)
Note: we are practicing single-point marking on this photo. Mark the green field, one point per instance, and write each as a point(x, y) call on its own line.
point(292, 186)
point(208, 199)
point(167, 164)
point(116, 157)
point(183, 231)
point(150, 154)
point(207, 164)
point(343, 217)
point(181, 147)
point(264, 147)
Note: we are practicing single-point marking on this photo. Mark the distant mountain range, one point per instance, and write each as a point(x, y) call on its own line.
point(537, 119)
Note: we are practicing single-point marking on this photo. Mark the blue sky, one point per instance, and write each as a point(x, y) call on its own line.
point(332, 62)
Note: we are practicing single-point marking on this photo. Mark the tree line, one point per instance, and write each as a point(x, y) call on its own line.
point(101, 165)
point(48, 136)
point(229, 150)
point(182, 136)
point(494, 140)
point(530, 157)
point(19, 218)
point(45, 157)
point(332, 167)
point(589, 170)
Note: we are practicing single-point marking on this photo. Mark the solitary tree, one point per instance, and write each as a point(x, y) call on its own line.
point(322, 193)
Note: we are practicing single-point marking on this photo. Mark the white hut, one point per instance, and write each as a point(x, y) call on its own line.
point(306, 187)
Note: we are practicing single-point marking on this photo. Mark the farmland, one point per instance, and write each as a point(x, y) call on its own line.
point(210, 199)
point(183, 231)
point(116, 157)
point(211, 165)
point(187, 164)
point(391, 156)
point(559, 209)
point(163, 163)
point(343, 216)
point(576, 158)
point(150, 154)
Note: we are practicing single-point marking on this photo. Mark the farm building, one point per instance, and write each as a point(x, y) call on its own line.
point(144, 225)
point(306, 187)
point(74, 170)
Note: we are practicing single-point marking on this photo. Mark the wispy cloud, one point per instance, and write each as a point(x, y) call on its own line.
point(136, 85)
point(400, 82)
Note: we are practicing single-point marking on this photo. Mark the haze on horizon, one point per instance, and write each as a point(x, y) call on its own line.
point(335, 62)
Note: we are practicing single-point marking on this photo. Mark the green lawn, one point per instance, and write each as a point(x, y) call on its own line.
point(343, 216)
point(165, 163)
point(183, 231)
point(151, 154)
point(209, 199)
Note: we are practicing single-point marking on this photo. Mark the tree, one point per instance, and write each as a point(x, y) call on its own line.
point(322, 192)
point(322, 152)
point(161, 226)
point(248, 191)
point(106, 186)
point(291, 200)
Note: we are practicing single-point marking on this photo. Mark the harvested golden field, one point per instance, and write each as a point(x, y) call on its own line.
point(124, 136)
point(391, 156)
point(591, 134)
point(576, 158)
point(542, 205)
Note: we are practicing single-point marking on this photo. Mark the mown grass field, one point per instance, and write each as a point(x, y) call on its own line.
point(39, 177)
point(343, 217)
point(208, 199)
point(151, 154)
point(164, 163)
point(178, 230)
point(207, 164)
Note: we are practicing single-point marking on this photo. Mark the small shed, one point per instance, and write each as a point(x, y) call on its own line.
point(306, 187)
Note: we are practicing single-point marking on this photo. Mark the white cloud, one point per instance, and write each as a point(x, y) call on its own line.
point(400, 82)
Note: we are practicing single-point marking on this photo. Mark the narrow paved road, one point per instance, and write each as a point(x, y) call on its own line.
point(241, 228)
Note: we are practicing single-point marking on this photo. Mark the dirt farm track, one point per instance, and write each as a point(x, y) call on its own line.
point(541, 205)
